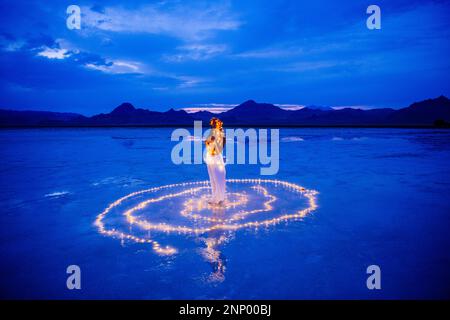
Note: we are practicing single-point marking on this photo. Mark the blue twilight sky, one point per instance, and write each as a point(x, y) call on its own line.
point(162, 54)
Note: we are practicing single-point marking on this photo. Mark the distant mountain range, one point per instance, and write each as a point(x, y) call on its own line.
point(431, 112)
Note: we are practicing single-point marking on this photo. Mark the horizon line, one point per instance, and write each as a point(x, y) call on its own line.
point(223, 107)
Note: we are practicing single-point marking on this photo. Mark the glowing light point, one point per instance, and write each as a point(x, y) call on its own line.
point(231, 222)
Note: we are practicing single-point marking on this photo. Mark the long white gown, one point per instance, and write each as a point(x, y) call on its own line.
point(216, 166)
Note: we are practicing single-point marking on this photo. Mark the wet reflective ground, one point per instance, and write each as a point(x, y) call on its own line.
point(383, 199)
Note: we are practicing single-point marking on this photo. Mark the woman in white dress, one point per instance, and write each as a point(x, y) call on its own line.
point(214, 161)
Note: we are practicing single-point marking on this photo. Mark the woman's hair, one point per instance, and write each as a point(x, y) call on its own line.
point(214, 122)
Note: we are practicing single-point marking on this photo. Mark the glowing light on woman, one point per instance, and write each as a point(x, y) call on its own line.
point(214, 161)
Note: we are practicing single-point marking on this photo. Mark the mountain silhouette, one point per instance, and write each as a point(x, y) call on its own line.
point(249, 113)
point(426, 111)
point(127, 114)
point(123, 109)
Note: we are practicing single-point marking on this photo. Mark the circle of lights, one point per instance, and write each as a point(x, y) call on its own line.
point(228, 224)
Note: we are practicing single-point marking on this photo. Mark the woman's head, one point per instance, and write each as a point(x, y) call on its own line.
point(215, 123)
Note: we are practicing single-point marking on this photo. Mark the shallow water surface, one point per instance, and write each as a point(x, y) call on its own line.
point(382, 199)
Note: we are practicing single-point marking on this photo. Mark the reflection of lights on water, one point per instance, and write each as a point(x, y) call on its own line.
point(213, 256)
point(201, 203)
point(230, 223)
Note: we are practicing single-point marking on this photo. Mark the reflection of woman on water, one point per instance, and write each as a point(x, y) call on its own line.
point(213, 240)
point(214, 161)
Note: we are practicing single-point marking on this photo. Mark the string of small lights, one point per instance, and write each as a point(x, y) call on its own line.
point(198, 203)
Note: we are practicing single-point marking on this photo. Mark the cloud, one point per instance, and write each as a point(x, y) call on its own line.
point(271, 52)
point(211, 107)
point(116, 67)
point(188, 81)
point(291, 107)
point(175, 52)
point(63, 49)
point(14, 46)
point(182, 21)
point(356, 107)
point(306, 66)
point(57, 49)
point(54, 53)
point(196, 52)
point(10, 43)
